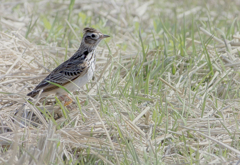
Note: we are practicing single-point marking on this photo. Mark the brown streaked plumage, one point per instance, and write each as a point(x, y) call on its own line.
point(76, 71)
point(89, 29)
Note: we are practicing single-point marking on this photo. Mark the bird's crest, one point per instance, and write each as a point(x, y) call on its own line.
point(88, 29)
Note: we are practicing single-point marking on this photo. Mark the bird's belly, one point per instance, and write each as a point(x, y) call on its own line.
point(80, 81)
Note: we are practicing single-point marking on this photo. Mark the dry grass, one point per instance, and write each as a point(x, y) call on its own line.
point(166, 90)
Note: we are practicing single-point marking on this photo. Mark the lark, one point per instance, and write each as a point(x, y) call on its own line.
point(73, 73)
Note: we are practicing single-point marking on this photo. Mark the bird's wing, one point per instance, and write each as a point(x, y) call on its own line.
point(68, 71)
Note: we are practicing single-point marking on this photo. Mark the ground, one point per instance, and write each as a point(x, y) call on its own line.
point(166, 88)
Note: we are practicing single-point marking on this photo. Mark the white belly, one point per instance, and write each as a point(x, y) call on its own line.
point(79, 82)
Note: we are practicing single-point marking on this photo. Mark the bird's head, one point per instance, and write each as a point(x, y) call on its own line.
point(92, 37)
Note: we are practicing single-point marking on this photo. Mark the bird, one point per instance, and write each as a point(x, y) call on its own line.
point(73, 73)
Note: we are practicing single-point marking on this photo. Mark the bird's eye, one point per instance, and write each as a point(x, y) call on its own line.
point(94, 36)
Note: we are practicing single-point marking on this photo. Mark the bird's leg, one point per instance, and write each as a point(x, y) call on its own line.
point(62, 98)
point(68, 102)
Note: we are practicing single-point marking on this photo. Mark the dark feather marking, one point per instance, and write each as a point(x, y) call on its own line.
point(85, 53)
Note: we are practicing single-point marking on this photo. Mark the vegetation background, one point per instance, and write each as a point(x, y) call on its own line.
point(166, 89)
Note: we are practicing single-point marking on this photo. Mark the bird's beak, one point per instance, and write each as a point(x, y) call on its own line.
point(105, 36)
